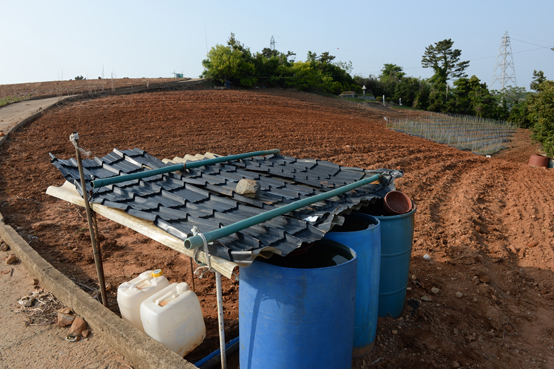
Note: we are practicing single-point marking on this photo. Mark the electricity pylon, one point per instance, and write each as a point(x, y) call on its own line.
point(504, 61)
point(272, 43)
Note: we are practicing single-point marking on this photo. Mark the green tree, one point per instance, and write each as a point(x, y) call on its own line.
point(445, 61)
point(326, 57)
point(391, 73)
point(541, 113)
point(407, 89)
point(421, 100)
point(222, 63)
point(233, 63)
point(538, 79)
point(472, 97)
point(513, 103)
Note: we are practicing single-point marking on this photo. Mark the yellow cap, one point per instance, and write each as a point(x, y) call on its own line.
point(157, 273)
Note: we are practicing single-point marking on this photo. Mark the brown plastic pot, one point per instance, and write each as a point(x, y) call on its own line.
point(396, 203)
point(539, 161)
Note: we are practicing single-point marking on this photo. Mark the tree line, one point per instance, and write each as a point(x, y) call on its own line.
point(449, 90)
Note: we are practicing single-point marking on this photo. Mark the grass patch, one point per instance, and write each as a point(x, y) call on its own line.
point(357, 99)
point(10, 99)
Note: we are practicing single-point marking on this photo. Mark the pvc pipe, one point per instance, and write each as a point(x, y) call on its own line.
point(229, 348)
point(173, 168)
point(195, 242)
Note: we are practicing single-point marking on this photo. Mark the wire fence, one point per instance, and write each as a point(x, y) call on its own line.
point(479, 135)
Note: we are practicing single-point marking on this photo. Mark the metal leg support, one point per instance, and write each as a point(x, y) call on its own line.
point(220, 320)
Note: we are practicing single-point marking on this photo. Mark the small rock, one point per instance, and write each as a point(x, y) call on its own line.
point(26, 301)
point(394, 331)
point(86, 333)
point(2, 134)
point(459, 295)
point(427, 257)
point(108, 287)
point(414, 277)
point(4, 247)
point(485, 278)
point(426, 298)
point(249, 188)
point(35, 282)
point(65, 310)
point(78, 326)
point(532, 244)
point(455, 364)
point(65, 319)
point(435, 290)
point(12, 259)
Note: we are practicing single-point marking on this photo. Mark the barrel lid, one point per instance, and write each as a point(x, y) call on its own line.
point(157, 273)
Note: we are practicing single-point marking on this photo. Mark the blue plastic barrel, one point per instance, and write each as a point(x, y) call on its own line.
point(299, 313)
point(362, 233)
point(397, 236)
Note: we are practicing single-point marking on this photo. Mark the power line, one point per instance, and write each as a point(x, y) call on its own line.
point(532, 38)
point(530, 43)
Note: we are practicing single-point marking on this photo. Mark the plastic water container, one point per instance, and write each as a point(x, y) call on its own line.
point(362, 233)
point(298, 311)
point(131, 294)
point(173, 317)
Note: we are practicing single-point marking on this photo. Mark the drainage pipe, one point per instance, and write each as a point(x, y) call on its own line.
point(212, 359)
point(195, 242)
point(174, 168)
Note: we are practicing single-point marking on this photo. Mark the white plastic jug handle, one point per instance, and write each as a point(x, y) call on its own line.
point(136, 284)
point(166, 296)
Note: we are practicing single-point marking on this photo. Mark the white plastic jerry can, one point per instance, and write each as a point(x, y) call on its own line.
point(174, 318)
point(131, 294)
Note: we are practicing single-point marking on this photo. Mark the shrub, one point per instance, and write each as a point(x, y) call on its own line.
point(541, 113)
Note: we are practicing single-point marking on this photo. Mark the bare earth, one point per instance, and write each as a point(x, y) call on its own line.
point(42, 346)
point(59, 88)
point(487, 224)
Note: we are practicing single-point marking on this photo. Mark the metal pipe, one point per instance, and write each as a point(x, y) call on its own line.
point(220, 320)
point(95, 252)
point(174, 168)
point(195, 242)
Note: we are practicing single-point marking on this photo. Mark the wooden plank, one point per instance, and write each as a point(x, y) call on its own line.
point(68, 193)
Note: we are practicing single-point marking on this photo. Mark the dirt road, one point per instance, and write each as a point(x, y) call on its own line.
point(12, 114)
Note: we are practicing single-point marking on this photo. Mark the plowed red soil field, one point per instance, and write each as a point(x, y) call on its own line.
point(486, 223)
point(62, 88)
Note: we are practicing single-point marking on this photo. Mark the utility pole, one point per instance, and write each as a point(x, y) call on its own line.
point(504, 61)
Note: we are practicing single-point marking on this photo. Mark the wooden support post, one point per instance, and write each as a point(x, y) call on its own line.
point(95, 251)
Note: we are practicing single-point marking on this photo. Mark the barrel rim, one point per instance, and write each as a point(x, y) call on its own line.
point(354, 258)
point(363, 215)
point(410, 213)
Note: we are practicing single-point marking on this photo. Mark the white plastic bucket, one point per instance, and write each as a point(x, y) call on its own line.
point(131, 294)
point(174, 318)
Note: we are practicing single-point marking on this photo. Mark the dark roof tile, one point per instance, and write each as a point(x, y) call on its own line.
point(205, 197)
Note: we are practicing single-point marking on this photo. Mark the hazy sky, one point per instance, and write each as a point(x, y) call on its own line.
point(45, 40)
